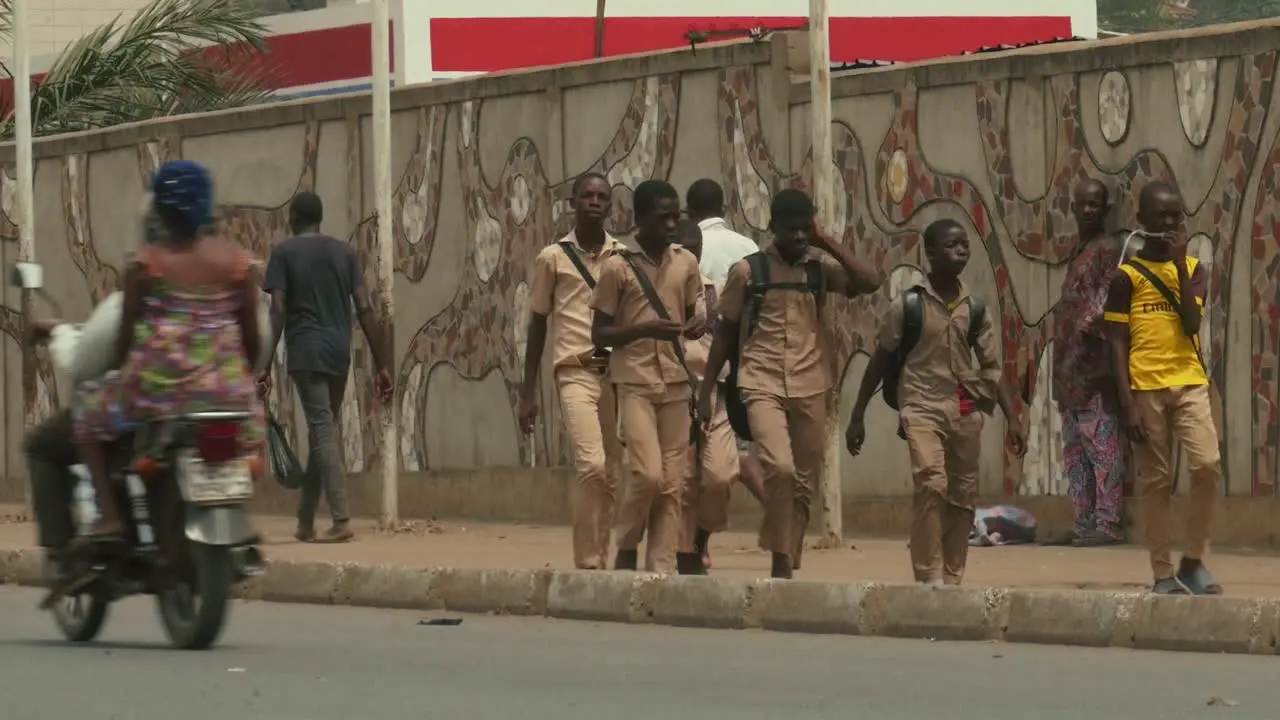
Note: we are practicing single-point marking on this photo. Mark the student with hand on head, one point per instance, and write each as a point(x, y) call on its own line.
point(770, 321)
point(926, 351)
point(645, 302)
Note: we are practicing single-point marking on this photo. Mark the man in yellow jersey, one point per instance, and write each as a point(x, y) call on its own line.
point(1153, 311)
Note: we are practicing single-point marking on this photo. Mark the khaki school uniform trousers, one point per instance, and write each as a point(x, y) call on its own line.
point(944, 448)
point(1184, 413)
point(655, 423)
point(589, 407)
point(712, 470)
point(789, 435)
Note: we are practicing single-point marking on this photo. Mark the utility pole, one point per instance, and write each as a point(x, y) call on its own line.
point(388, 439)
point(25, 195)
point(832, 510)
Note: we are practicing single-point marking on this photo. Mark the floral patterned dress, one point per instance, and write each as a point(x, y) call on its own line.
point(187, 356)
point(1093, 448)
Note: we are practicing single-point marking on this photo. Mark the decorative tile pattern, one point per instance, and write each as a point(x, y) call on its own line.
point(483, 328)
point(1114, 106)
point(1042, 471)
point(898, 175)
point(1197, 85)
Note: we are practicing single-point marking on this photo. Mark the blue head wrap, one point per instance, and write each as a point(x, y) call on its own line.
point(185, 188)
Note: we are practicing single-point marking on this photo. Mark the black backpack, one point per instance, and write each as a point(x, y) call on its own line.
point(757, 286)
point(912, 326)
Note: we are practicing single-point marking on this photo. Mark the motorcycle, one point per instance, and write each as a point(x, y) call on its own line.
point(188, 541)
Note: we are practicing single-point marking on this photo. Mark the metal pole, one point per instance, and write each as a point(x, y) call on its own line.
point(832, 514)
point(389, 440)
point(26, 175)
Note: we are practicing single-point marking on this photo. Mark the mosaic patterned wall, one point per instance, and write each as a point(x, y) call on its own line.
point(470, 212)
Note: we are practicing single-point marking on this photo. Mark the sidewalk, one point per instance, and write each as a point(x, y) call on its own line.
point(529, 547)
point(1058, 596)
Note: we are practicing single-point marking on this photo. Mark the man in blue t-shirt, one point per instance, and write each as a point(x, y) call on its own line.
point(313, 279)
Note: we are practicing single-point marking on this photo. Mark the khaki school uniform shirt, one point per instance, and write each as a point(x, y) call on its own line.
point(649, 363)
point(942, 360)
point(559, 292)
point(785, 355)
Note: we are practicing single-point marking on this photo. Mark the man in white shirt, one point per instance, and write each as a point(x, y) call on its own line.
point(721, 246)
point(721, 249)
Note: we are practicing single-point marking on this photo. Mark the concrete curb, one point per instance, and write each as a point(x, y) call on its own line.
point(1051, 617)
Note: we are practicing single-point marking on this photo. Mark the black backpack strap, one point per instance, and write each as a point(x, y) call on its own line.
point(912, 321)
point(577, 264)
point(757, 286)
point(816, 282)
point(912, 328)
point(977, 313)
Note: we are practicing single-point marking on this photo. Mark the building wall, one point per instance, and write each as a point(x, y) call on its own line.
point(482, 173)
point(57, 23)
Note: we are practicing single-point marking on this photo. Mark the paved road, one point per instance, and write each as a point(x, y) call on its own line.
point(288, 662)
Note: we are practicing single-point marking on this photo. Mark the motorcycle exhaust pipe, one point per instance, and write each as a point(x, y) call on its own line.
point(248, 561)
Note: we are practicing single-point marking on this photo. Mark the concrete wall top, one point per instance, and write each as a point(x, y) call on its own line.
point(1054, 59)
point(742, 52)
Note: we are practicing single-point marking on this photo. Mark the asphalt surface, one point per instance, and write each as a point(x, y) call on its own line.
point(292, 662)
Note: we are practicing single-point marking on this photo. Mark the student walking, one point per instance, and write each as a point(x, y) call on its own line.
point(713, 463)
point(924, 359)
point(644, 303)
point(564, 276)
point(770, 321)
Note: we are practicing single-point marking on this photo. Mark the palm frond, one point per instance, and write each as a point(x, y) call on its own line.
point(173, 56)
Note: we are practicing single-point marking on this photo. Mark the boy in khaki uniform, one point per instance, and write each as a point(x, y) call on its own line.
point(1153, 313)
point(564, 275)
point(714, 466)
point(644, 303)
point(942, 399)
point(784, 370)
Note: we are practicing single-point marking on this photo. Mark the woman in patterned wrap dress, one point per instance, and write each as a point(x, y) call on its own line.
point(188, 331)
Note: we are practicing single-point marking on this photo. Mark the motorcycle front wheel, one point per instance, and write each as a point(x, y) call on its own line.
point(80, 617)
point(194, 610)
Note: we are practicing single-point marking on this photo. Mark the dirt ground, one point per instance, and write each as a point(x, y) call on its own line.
point(484, 545)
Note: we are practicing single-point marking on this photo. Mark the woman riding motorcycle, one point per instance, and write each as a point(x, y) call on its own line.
point(189, 331)
point(84, 352)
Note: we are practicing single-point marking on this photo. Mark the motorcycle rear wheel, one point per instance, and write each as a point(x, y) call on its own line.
point(194, 612)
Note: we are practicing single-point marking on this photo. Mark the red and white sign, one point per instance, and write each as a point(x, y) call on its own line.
point(445, 40)
point(328, 51)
